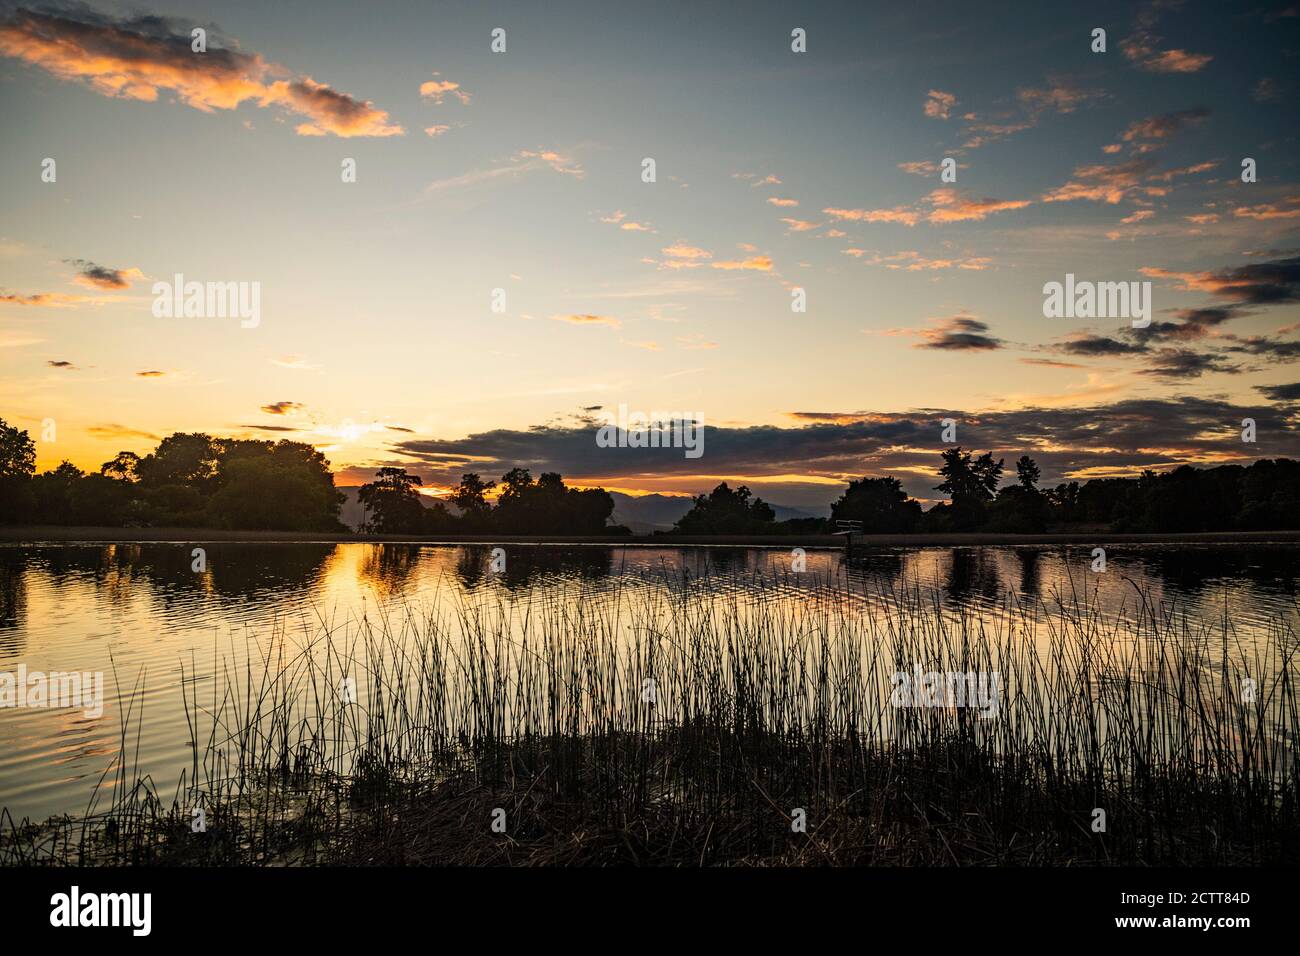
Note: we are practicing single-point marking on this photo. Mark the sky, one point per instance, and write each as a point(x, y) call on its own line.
point(778, 175)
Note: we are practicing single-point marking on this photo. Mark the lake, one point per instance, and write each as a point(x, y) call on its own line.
point(157, 629)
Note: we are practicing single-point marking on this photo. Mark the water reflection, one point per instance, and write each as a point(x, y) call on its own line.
point(140, 610)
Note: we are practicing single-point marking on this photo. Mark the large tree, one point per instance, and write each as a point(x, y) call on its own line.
point(970, 482)
point(880, 504)
point(470, 496)
point(727, 511)
point(392, 503)
point(1028, 473)
point(17, 465)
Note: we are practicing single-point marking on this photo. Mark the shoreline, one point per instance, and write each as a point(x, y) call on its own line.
point(76, 534)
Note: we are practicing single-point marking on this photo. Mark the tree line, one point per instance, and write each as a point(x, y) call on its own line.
point(1263, 496)
point(523, 505)
point(196, 480)
point(191, 480)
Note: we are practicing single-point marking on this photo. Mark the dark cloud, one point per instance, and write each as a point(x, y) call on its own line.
point(102, 277)
point(1281, 393)
point(1121, 437)
point(1100, 345)
point(1184, 363)
point(1261, 283)
point(282, 408)
point(1271, 349)
point(959, 333)
point(1164, 125)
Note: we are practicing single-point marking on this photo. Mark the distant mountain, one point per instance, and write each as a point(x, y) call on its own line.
point(644, 514)
point(350, 512)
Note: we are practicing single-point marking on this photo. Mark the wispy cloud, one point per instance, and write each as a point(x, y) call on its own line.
point(946, 205)
point(588, 319)
point(521, 164)
point(53, 300)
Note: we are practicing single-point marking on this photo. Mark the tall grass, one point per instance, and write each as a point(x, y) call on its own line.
point(670, 725)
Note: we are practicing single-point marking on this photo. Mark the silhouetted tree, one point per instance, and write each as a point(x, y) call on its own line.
point(392, 502)
point(1027, 473)
point(122, 467)
point(970, 483)
point(54, 491)
point(723, 511)
point(17, 465)
point(880, 504)
point(548, 506)
point(470, 496)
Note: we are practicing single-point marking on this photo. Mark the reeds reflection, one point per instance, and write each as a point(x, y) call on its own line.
point(139, 611)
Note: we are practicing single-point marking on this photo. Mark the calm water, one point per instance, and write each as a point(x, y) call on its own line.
point(138, 613)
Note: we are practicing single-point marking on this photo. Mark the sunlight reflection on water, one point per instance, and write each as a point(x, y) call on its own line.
point(138, 612)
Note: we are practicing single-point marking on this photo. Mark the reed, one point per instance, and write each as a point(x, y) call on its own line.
point(669, 724)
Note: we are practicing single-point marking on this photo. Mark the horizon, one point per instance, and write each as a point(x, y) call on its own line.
point(776, 172)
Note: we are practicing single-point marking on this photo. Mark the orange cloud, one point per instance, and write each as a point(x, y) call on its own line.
point(1176, 61)
point(437, 89)
point(54, 300)
point(1141, 52)
point(776, 201)
point(135, 58)
point(1271, 210)
point(951, 206)
point(556, 160)
point(682, 251)
point(120, 431)
point(755, 264)
point(907, 217)
point(1058, 96)
point(938, 104)
point(947, 205)
point(1100, 183)
point(585, 319)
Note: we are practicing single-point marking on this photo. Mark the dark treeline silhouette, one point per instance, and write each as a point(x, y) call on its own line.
point(196, 480)
point(545, 506)
point(190, 480)
point(1259, 497)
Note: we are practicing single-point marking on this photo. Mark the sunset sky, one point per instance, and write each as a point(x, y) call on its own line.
point(522, 171)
